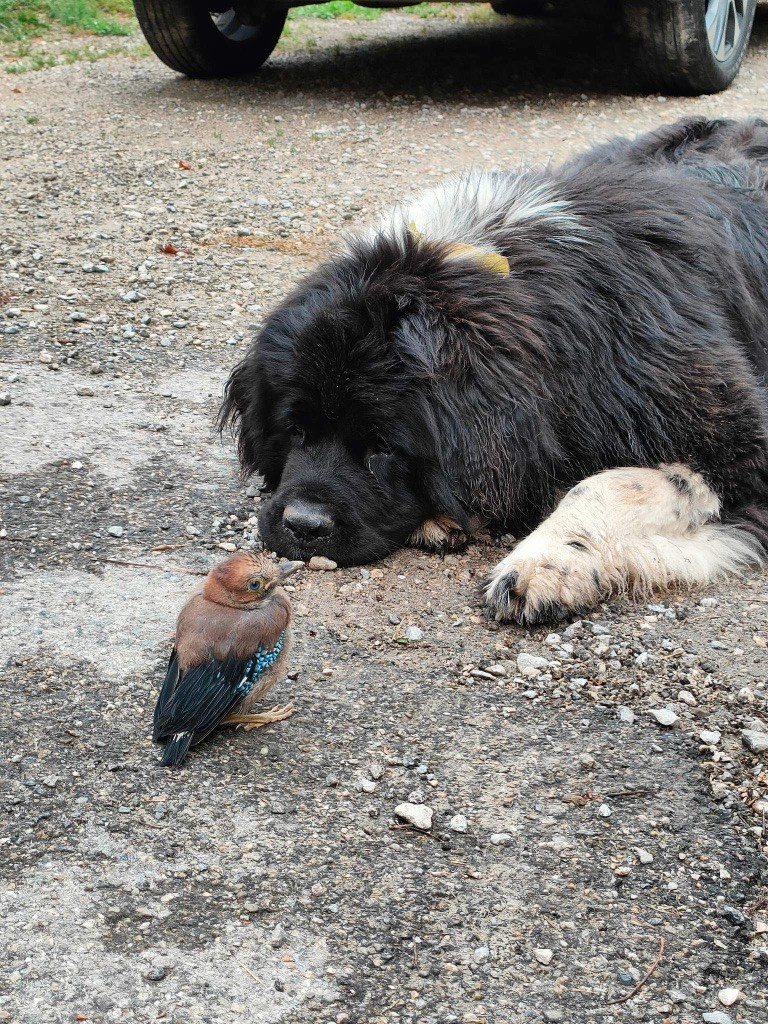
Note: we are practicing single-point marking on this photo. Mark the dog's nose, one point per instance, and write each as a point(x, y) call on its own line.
point(307, 521)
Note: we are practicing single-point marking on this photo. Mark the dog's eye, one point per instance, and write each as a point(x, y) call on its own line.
point(375, 461)
point(298, 432)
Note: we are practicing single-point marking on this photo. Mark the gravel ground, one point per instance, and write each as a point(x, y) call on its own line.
point(147, 222)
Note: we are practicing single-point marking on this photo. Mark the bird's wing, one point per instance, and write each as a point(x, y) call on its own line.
point(205, 694)
point(166, 694)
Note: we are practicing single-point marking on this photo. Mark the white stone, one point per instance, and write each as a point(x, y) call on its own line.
point(321, 564)
point(418, 815)
point(544, 956)
point(458, 823)
point(755, 741)
point(729, 996)
point(687, 698)
point(604, 811)
point(626, 715)
point(709, 737)
point(643, 855)
point(718, 1017)
point(664, 716)
point(501, 838)
point(531, 665)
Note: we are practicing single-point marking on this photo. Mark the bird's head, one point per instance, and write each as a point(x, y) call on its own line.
point(245, 579)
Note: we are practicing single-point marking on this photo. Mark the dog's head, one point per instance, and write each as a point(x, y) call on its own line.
point(335, 406)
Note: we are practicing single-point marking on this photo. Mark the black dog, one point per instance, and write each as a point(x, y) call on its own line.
point(509, 334)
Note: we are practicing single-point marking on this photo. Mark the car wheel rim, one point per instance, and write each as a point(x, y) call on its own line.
point(724, 20)
point(233, 27)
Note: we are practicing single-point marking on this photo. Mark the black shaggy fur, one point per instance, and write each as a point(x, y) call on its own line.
point(395, 384)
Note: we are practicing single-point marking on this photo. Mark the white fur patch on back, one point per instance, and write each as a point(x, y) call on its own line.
point(480, 207)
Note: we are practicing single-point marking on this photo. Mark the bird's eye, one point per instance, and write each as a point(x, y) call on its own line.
point(254, 585)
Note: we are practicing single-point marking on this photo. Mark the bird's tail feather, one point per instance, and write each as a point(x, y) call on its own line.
point(176, 749)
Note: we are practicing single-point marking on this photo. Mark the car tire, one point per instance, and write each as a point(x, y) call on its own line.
point(689, 46)
point(522, 8)
point(200, 44)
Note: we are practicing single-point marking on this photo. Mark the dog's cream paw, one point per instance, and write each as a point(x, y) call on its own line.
point(439, 534)
point(563, 582)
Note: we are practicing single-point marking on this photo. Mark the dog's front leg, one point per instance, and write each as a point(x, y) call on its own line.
point(624, 530)
point(439, 534)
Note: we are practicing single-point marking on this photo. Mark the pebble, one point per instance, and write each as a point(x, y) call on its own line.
point(643, 855)
point(413, 634)
point(277, 938)
point(626, 715)
point(711, 738)
point(5, 398)
point(729, 996)
point(481, 954)
point(553, 1015)
point(544, 956)
point(604, 811)
point(531, 665)
point(46, 357)
point(756, 742)
point(418, 815)
point(664, 716)
point(115, 531)
point(321, 564)
point(155, 973)
point(501, 838)
point(718, 1017)
point(84, 390)
point(458, 823)
point(687, 698)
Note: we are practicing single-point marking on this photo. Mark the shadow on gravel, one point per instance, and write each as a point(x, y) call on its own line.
point(564, 53)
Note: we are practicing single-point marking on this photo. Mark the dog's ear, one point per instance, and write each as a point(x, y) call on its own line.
point(248, 411)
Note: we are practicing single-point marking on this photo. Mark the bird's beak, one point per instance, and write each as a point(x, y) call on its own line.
point(289, 568)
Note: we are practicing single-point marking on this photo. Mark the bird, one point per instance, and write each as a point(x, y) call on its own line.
point(231, 646)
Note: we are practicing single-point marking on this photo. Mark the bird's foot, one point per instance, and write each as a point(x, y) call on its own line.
point(255, 721)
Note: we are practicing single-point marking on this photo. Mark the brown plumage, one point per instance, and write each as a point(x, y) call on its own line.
point(232, 642)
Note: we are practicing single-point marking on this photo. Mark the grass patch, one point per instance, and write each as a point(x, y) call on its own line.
point(337, 9)
point(73, 55)
point(21, 20)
